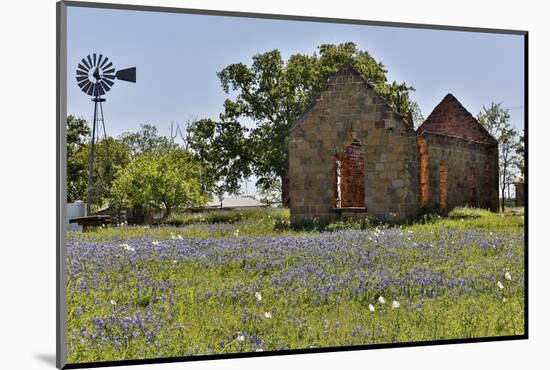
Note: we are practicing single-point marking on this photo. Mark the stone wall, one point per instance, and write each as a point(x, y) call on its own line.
point(350, 111)
point(472, 172)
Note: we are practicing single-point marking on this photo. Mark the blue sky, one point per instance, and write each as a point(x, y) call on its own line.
point(177, 57)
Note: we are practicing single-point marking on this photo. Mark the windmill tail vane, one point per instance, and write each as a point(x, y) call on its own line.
point(95, 76)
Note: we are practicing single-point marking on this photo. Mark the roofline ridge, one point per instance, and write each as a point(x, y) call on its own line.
point(437, 107)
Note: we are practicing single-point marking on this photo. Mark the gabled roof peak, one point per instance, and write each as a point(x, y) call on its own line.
point(450, 118)
point(347, 69)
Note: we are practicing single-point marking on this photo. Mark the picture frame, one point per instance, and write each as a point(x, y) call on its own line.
point(64, 78)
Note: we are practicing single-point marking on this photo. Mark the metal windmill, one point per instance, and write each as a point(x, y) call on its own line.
point(96, 76)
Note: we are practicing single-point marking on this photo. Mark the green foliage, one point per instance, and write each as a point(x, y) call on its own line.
point(78, 134)
point(496, 120)
point(142, 170)
point(466, 218)
point(162, 181)
point(415, 114)
point(351, 224)
point(520, 155)
point(271, 195)
point(222, 150)
point(470, 212)
point(146, 141)
point(110, 157)
point(215, 216)
point(133, 185)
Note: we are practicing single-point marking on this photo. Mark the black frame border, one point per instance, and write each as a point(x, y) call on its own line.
point(61, 112)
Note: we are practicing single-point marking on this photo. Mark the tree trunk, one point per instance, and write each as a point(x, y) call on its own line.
point(503, 194)
point(137, 215)
point(168, 211)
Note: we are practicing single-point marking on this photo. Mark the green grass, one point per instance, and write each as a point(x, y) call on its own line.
point(198, 286)
point(217, 224)
point(465, 218)
point(225, 216)
point(276, 222)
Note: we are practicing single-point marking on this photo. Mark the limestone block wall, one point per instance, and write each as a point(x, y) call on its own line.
point(350, 112)
point(472, 172)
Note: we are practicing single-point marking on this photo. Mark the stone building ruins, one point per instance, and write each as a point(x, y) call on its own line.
point(351, 154)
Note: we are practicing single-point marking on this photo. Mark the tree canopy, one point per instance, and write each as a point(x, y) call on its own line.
point(111, 156)
point(496, 119)
point(140, 170)
point(161, 181)
point(146, 141)
point(78, 134)
point(222, 150)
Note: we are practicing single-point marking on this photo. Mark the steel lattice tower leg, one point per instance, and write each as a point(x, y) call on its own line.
point(98, 117)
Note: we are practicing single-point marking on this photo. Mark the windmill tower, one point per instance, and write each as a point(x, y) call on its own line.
point(96, 76)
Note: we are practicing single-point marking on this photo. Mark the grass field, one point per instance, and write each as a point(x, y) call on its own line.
point(248, 281)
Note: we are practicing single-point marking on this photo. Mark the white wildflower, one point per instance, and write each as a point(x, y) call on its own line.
point(240, 337)
point(381, 300)
point(268, 315)
point(258, 296)
point(155, 242)
point(507, 276)
point(259, 350)
point(127, 247)
point(113, 302)
point(504, 299)
point(371, 308)
point(180, 237)
point(395, 305)
point(499, 284)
